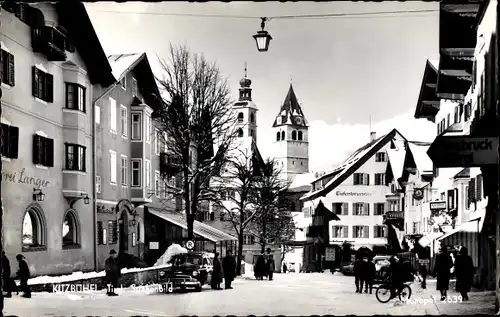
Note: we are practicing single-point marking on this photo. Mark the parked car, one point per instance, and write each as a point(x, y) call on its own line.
point(347, 269)
point(188, 271)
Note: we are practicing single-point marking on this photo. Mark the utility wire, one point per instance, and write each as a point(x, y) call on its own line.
point(304, 16)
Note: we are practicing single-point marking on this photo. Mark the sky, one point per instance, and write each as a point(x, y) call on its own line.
point(352, 75)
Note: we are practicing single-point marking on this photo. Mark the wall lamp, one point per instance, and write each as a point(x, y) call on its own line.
point(38, 195)
point(86, 199)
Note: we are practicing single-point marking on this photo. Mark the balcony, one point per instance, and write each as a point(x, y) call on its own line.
point(49, 41)
point(394, 215)
point(170, 164)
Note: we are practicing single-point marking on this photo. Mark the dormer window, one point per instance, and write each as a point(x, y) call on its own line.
point(278, 120)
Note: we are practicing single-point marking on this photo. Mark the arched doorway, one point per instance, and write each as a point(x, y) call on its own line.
point(123, 232)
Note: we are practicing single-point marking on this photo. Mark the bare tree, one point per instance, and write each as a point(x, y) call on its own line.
point(196, 115)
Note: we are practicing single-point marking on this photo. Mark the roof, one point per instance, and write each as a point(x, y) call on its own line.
point(353, 162)
point(290, 108)
point(301, 182)
point(122, 63)
point(73, 16)
point(396, 162)
point(427, 86)
point(419, 153)
point(199, 228)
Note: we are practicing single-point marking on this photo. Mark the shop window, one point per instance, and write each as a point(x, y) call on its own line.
point(70, 231)
point(34, 237)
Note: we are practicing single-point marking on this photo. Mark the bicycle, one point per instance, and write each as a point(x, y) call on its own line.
point(383, 292)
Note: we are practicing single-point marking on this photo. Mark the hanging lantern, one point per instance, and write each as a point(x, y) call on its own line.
point(263, 38)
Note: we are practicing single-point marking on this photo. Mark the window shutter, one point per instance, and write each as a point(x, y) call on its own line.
point(472, 190)
point(11, 70)
point(49, 152)
point(346, 231)
point(49, 87)
point(356, 178)
point(367, 179)
point(479, 189)
point(36, 149)
point(100, 237)
point(367, 209)
point(451, 199)
point(354, 209)
point(34, 86)
point(13, 142)
point(365, 232)
point(345, 209)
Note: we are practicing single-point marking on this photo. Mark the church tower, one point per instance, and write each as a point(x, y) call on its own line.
point(291, 144)
point(246, 110)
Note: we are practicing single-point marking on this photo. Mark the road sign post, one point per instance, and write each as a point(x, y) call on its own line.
point(463, 151)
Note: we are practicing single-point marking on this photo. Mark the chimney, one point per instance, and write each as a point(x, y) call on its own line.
point(373, 136)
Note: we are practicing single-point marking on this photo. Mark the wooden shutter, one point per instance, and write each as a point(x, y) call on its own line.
point(356, 178)
point(472, 190)
point(11, 70)
point(34, 84)
point(366, 232)
point(346, 231)
point(366, 209)
point(451, 199)
point(345, 209)
point(13, 142)
point(49, 87)
point(49, 152)
point(354, 209)
point(367, 179)
point(36, 149)
point(100, 232)
point(479, 189)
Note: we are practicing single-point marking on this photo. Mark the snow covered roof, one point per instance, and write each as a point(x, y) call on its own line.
point(419, 153)
point(434, 63)
point(301, 182)
point(122, 63)
point(396, 161)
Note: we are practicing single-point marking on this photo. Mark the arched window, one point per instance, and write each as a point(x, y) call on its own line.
point(283, 135)
point(240, 133)
point(34, 229)
point(212, 216)
point(70, 231)
point(252, 118)
point(278, 136)
point(240, 117)
point(300, 136)
point(294, 135)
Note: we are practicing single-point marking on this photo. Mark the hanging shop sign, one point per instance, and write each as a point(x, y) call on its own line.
point(438, 205)
point(418, 194)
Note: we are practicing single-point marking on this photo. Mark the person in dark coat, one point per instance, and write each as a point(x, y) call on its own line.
point(285, 268)
point(368, 274)
point(229, 268)
point(216, 273)
point(442, 270)
point(396, 274)
point(270, 266)
point(358, 270)
point(260, 267)
point(464, 271)
point(112, 273)
point(9, 284)
point(24, 275)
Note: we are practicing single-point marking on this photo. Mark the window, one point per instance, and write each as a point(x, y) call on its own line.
point(456, 115)
point(101, 233)
point(112, 120)
point(381, 157)
point(7, 66)
point(98, 184)
point(123, 120)
point(301, 137)
point(467, 201)
point(361, 209)
point(134, 87)
point(379, 209)
point(43, 85)
point(248, 239)
point(415, 227)
point(10, 141)
point(147, 171)
point(157, 183)
point(43, 151)
point(283, 135)
point(379, 232)
point(124, 170)
point(70, 231)
point(240, 117)
point(448, 120)
point(75, 97)
point(148, 129)
point(361, 179)
point(34, 230)
point(340, 231)
point(97, 110)
point(240, 133)
point(393, 205)
point(294, 135)
point(75, 157)
point(340, 208)
point(158, 141)
point(112, 231)
point(278, 136)
point(252, 117)
point(136, 126)
point(123, 83)
point(380, 179)
point(112, 167)
point(136, 173)
point(360, 232)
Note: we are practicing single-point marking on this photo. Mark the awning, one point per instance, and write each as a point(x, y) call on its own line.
point(199, 228)
point(298, 243)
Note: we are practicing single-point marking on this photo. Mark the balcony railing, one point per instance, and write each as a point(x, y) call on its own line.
point(49, 41)
point(170, 164)
point(395, 215)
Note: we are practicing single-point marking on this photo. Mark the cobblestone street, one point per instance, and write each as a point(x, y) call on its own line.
point(288, 294)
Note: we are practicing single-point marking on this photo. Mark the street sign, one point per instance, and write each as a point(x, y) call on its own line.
point(190, 245)
point(437, 205)
point(463, 151)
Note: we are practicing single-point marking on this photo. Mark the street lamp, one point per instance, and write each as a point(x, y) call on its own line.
point(38, 195)
point(86, 199)
point(263, 38)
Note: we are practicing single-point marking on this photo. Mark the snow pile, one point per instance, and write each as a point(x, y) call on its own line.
point(44, 279)
point(172, 250)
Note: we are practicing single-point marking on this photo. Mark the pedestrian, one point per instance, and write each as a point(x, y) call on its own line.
point(260, 267)
point(229, 268)
point(216, 273)
point(368, 274)
point(358, 269)
point(284, 267)
point(270, 266)
point(112, 273)
point(442, 271)
point(24, 275)
point(423, 274)
point(464, 271)
point(396, 274)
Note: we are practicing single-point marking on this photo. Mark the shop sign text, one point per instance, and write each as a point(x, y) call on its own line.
point(21, 178)
point(346, 193)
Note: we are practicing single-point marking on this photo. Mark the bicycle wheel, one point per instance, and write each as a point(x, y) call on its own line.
point(383, 293)
point(405, 293)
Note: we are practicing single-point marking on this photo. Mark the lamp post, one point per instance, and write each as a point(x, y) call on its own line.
point(262, 38)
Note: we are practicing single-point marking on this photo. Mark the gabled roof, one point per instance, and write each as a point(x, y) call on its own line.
point(121, 64)
point(428, 92)
point(396, 162)
point(301, 182)
point(354, 162)
point(419, 153)
point(290, 108)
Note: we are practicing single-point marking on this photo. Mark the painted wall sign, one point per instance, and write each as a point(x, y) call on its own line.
point(21, 178)
point(463, 151)
point(438, 205)
point(347, 193)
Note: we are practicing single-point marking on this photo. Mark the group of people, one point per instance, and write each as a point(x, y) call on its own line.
point(264, 266)
point(364, 274)
point(23, 274)
point(226, 270)
point(463, 268)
